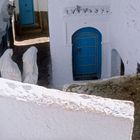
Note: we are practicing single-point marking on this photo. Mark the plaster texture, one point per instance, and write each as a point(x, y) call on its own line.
point(30, 112)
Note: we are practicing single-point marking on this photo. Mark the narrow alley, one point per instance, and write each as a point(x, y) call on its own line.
point(41, 42)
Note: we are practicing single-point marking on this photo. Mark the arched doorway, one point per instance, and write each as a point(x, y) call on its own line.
point(86, 54)
point(117, 65)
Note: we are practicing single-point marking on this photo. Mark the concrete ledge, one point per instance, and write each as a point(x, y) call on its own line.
point(36, 113)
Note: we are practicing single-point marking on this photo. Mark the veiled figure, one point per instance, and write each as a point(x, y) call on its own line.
point(8, 68)
point(30, 68)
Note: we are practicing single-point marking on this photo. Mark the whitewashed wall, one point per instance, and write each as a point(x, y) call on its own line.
point(30, 112)
point(120, 31)
point(4, 18)
point(125, 32)
point(39, 5)
point(61, 33)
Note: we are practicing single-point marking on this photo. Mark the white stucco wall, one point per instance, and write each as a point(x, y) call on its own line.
point(4, 17)
point(120, 31)
point(61, 33)
point(30, 112)
point(39, 5)
point(125, 32)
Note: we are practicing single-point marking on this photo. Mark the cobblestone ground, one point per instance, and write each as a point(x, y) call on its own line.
point(123, 88)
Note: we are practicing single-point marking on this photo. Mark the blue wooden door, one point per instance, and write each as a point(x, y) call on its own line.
point(26, 10)
point(86, 54)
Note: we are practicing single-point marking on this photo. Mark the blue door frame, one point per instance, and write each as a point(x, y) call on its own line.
point(86, 54)
point(26, 9)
